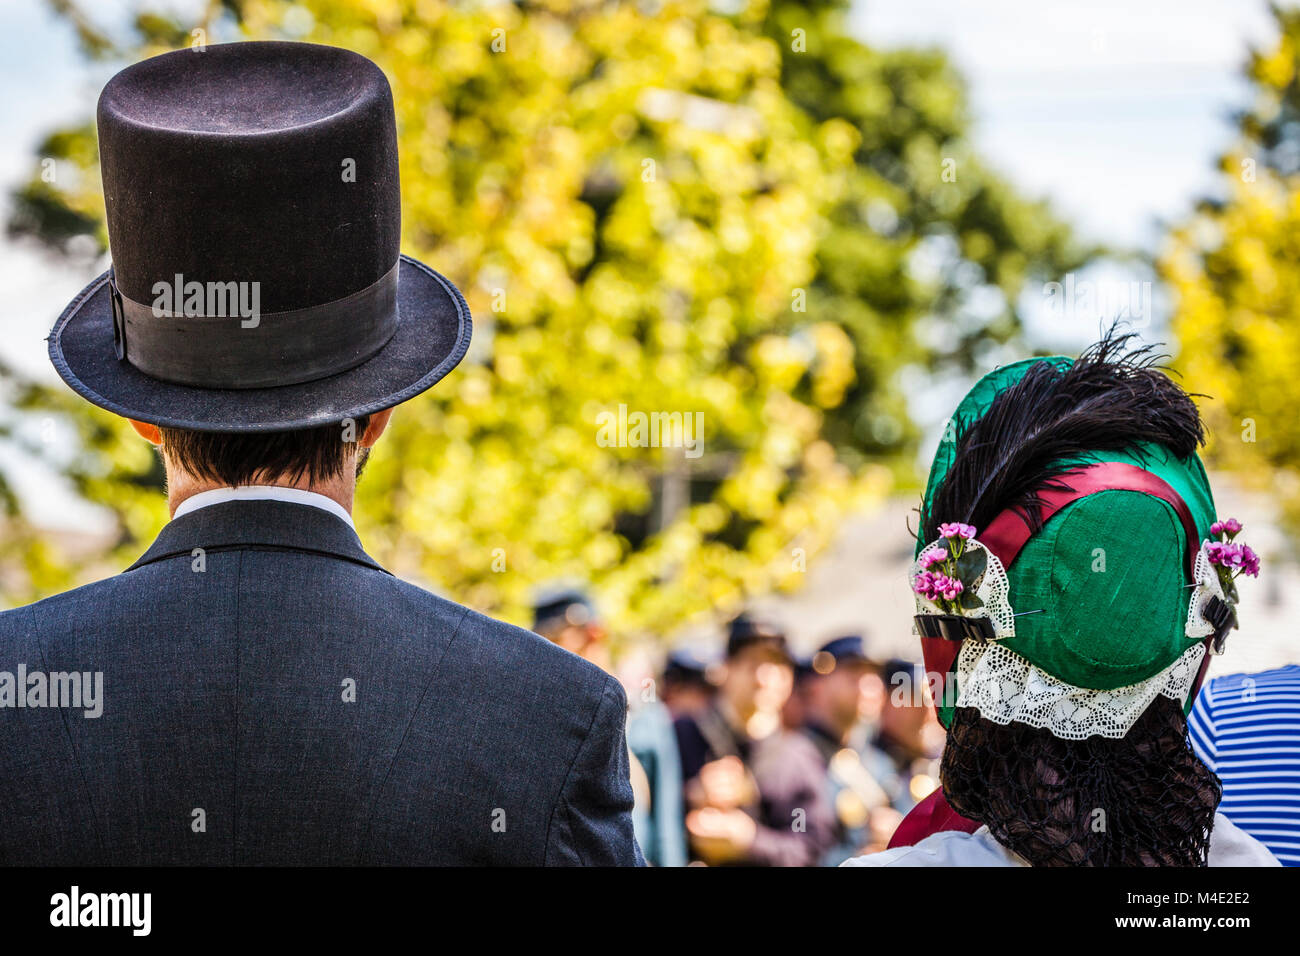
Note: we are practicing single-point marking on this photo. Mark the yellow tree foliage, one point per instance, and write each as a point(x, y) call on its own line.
point(1234, 268)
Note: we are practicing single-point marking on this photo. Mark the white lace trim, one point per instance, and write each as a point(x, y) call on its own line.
point(992, 587)
point(1004, 687)
point(1207, 586)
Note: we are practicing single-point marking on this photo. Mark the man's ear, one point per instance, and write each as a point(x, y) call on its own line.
point(375, 427)
point(148, 432)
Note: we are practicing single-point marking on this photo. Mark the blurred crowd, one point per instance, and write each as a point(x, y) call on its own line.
point(760, 757)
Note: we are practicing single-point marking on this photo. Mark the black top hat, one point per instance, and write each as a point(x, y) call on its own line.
point(254, 216)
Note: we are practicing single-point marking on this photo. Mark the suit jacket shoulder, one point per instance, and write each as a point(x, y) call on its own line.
point(271, 695)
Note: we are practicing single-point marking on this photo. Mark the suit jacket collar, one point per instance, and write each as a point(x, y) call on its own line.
point(249, 524)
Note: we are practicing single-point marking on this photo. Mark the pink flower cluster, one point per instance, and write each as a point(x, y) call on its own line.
point(936, 586)
point(939, 580)
point(935, 554)
point(1229, 555)
point(955, 529)
point(1229, 526)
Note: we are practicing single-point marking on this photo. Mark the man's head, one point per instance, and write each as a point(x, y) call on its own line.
point(685, 685)
point(839, 685)
point(567, 617)
point(907, 720)
point(328, 459)
point(759, 672)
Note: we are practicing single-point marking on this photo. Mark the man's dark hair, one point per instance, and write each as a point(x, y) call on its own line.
point(747, 630)
point(245, 458)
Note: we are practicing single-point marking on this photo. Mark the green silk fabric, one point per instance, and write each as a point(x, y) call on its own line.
point(1106, 571)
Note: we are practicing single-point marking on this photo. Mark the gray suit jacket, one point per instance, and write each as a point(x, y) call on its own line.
point(279, 698)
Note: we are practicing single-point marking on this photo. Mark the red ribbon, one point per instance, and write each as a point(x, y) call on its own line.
point(1007, 533)
point(930, 816)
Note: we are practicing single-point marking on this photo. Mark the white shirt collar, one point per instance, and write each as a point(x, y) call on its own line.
point(263, 493)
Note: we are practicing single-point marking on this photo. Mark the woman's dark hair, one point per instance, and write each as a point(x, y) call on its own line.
point(1143, 800)
point(245, 458)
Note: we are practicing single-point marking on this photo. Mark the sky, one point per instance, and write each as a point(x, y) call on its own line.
point(1114, 111)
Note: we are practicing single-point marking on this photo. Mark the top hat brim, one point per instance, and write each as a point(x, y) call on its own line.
point(432, 336)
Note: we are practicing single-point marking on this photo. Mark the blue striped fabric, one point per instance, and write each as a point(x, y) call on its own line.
point(1246, 727)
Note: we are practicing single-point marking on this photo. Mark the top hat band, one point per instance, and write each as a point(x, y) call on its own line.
point(225, 342)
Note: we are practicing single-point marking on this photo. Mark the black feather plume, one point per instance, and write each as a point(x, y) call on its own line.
point(1109, 399)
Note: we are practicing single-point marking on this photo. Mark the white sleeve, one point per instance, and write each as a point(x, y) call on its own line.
point(946, 848)
point(1232, 846)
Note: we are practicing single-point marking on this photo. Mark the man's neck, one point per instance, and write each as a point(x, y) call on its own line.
point(831, 728)
point(182, 487)
point(736, 717)
point(900, 750)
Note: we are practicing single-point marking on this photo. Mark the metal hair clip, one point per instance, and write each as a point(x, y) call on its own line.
point(1224, 618)
point(954, 627)
point(957, 627)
